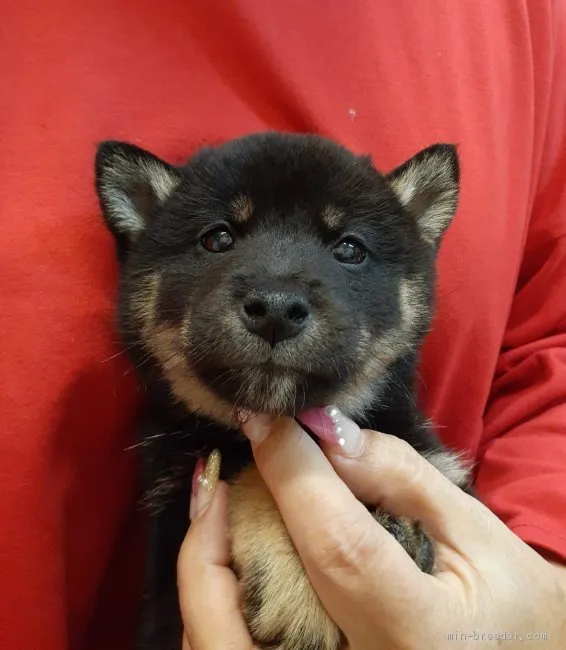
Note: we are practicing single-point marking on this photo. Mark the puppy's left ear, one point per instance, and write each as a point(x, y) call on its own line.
point(428, 185)
point(131, 184)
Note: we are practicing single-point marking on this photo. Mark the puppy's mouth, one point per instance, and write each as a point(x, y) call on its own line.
point(269, 387)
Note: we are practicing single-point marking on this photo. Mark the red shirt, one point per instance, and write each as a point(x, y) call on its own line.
point(384, 78)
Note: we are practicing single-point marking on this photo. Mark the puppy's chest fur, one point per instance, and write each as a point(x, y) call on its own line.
point(274, 273)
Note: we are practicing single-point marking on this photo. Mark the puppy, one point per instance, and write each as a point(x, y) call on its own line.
point(273, 274)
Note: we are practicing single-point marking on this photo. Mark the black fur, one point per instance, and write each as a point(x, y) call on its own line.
point(159, 215)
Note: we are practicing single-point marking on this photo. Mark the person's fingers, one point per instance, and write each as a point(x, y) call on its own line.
point(386, 471)
point(208, 590)
point(344, 551)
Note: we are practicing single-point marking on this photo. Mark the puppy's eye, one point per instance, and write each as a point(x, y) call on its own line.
point(350, 251)
point(218, 240)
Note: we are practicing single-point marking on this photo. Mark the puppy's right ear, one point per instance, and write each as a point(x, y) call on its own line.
point(428, 186)
point(131, 183)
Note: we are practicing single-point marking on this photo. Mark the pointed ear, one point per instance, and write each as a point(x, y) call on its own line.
point(131, 183)
point(428, 185)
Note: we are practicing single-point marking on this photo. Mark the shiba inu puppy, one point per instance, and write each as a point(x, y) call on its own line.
point(275, 273)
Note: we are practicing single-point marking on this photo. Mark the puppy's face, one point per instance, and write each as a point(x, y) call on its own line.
point(276, 272)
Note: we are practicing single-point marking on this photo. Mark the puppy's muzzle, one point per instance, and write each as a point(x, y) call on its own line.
point(275, 314)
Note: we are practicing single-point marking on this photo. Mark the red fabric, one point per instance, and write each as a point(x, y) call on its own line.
point(388, 78)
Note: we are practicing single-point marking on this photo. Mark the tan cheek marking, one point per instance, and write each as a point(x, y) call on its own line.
point(143, 303)
point(377, 354)
point(412, 299)
point(243, 208)
point(333, 217)
point(185, 385)
point(165, 343)
point(357, 395)
point(185, 330)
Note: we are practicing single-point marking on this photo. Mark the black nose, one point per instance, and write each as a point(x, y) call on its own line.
point(275, 315)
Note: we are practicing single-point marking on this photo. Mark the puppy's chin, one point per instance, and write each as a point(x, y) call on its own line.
point(269, 389)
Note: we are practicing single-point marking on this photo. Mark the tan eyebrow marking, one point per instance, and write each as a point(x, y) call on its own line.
point(243, 208)
point(333, 217)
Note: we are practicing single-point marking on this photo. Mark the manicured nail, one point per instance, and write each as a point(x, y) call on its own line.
point(206, 483)
point(257, 427)
point(243, 415)
point(334, 428)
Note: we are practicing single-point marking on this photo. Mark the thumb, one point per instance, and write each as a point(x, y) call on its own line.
point(208, 590)
point(386, 471)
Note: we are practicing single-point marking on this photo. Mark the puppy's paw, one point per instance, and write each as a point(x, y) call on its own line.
point(411, 537)
point(282, 609)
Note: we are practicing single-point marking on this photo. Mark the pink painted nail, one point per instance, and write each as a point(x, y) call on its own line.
point(334, 428)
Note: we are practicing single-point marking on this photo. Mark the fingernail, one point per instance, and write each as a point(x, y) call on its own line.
point(333, 427)
point(243, 415)
point(257, 427)
point(206, 483)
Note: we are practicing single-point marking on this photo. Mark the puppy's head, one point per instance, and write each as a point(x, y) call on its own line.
point(275, 272)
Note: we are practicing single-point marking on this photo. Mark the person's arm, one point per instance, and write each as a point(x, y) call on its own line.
point(521, 466)
point(521, 469)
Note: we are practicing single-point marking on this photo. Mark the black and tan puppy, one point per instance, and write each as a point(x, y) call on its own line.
point(275, 273)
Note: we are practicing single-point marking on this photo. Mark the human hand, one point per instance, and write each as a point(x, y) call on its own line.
point(487, 580)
